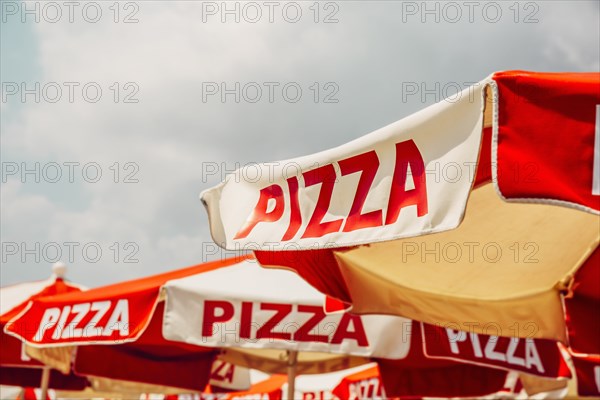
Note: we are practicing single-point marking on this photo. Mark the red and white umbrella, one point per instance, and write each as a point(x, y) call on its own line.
point(448, 216)
point(16, 367)
point(366, 385)
point(129, 318)
point(131, 313)
point(265, 319)
point(162, 366)
point(141, 361)
point(414, 177)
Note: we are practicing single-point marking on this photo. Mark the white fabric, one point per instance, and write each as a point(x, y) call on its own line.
point(228, 376)
point(17, 294)
point(447, 135)
point(320, 386)
point(14, 295)
point(185, 308)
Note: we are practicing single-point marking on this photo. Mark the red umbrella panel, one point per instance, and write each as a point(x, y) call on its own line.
point(510, 165)
point(16, 367)
point(128, 317)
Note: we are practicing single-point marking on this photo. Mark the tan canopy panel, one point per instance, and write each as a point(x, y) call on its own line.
point(499, 273)
point(59, 357)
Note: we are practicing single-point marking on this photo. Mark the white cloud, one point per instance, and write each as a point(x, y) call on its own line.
point(572, 31)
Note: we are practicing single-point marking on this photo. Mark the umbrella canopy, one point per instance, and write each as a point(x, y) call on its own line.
point(132, 313)
point(230, 308)
point(256, 317)
point(245, 306)
point(151, 364)
point(16, 367)
point(167, 366)
point(434, 249)
point(129, 317)
point(146, 363)
point(414, 176)
point(366, 385)
point(528, 251)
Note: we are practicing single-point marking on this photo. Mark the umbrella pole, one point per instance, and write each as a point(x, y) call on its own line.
point(45, 382)
point(291, 373)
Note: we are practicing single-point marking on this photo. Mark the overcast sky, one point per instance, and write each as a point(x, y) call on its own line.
point(159, 132)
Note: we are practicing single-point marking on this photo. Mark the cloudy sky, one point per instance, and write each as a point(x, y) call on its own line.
point(114, 116)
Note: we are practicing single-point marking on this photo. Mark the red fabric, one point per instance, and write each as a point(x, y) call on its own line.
point(29, 394)
point(483, 174)
point(546, 135)
point(333, 305)
point(151, 359)
point(14, 369)
point(12, 352)
point(417, 375)
point(138, 364)
point(587, 369)
point(534, 356)
point(582, 307)
point(321, 271)
point(32, 377)
point(456, 381)
point(148, 359)
point(361, 385)
point(140, 295)
point(317, 267)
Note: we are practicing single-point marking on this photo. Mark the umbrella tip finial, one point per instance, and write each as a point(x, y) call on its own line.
point(59, 269)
